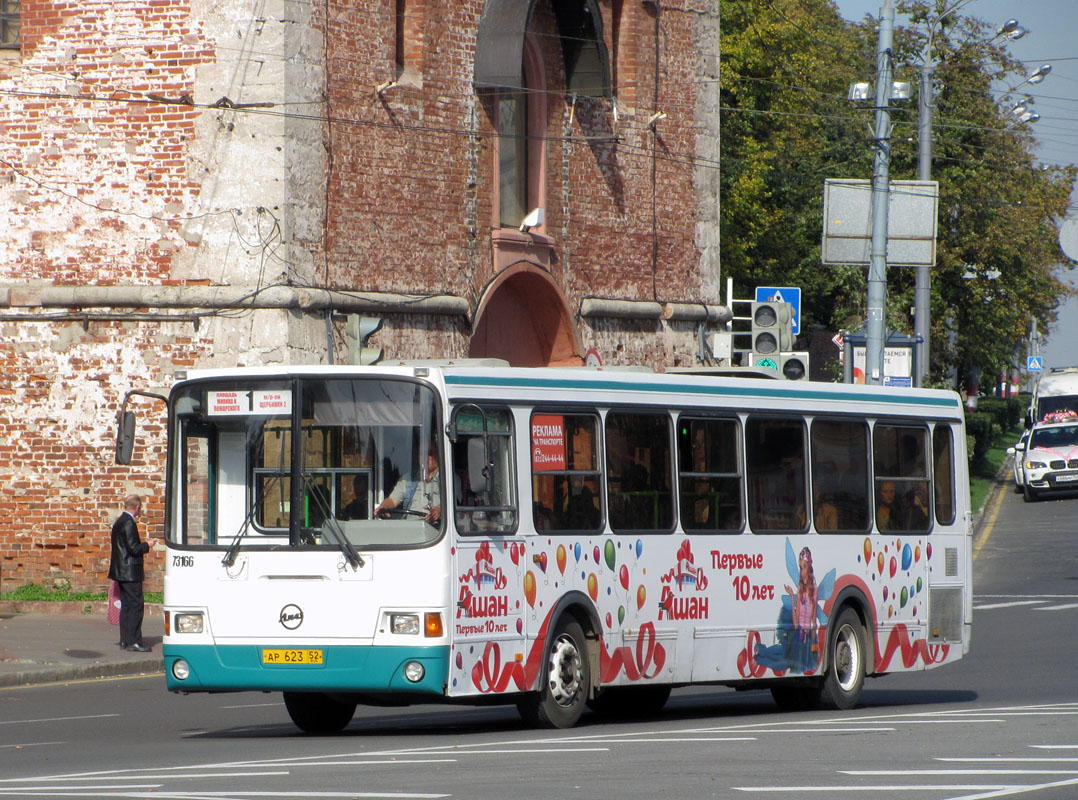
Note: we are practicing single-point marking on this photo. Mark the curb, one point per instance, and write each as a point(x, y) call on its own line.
point(76, 672)
point(67, 607)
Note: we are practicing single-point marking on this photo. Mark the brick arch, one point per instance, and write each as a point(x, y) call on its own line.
point(523, 319)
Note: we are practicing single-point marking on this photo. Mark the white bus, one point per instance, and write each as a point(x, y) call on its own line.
point(561, 538)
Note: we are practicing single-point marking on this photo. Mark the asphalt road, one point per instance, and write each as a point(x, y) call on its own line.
point(1001, 723)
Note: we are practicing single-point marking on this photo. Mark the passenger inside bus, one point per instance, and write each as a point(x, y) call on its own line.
point(357, 507)
point(887, 518)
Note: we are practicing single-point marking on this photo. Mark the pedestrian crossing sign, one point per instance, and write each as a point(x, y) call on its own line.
point(1035, 363)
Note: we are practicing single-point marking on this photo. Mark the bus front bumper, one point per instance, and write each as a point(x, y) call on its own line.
point(341, 668)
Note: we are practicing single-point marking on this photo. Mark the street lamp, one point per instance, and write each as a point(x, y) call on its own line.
point(922, 292)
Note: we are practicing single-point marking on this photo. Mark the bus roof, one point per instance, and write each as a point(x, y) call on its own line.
point(598, 384)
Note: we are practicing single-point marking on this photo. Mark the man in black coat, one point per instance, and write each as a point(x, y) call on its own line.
point(125, 567)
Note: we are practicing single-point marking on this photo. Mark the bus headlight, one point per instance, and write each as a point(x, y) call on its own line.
point(181, 669)
point(404, 623)
point(414, 671)
point(189, 623)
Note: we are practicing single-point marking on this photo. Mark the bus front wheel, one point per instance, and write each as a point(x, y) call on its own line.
point(314, 712)
point(845, 675)
point(565, 681)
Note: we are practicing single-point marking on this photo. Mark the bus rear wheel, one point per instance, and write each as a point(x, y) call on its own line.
point(565, 681)
point(315, 712)
point(845, 675)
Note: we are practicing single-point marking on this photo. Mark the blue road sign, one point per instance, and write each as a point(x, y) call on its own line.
point(1035, 363)
point(783, 294)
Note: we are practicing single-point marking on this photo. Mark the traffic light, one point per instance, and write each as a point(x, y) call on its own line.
point(772, 328)
point(795, 366)
point(357, 331)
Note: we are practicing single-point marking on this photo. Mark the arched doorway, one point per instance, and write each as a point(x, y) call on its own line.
point(524, 320)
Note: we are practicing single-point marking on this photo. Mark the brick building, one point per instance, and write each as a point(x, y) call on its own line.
point(186, 183)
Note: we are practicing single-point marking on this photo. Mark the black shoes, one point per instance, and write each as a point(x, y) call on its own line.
point(139, 647)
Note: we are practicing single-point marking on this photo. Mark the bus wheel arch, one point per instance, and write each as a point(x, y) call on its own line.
point(570, 664)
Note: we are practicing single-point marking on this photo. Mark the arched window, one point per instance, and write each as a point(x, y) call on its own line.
point(521, 119)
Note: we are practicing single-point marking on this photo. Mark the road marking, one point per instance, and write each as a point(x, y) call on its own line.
point(988, 526)
point(1057, 608)
point(931, 787)
point(31, 744)
point(54, 719)
point(1012, 604)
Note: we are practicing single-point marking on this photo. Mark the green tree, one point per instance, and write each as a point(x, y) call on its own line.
point(786, 126)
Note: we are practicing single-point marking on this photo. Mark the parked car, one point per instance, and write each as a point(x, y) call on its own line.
point(1050, 460)
point(1019, 453)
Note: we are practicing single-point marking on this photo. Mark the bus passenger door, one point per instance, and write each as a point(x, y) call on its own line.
point(487, 628)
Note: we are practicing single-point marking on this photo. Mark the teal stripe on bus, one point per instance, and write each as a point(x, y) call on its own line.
point(786, 392)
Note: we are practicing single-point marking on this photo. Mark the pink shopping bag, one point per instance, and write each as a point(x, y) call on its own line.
point(114, 603)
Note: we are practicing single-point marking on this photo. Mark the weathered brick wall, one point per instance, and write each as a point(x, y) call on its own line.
point(130, 159)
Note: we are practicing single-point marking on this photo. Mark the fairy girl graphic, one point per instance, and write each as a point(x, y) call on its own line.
point(797, 646)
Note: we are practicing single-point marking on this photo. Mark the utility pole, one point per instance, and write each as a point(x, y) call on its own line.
point(877, 267)
point(922, 296)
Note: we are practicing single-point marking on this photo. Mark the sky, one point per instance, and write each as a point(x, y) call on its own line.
point(1051, 40)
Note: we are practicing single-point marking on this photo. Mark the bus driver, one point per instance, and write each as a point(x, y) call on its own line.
point(418, 496)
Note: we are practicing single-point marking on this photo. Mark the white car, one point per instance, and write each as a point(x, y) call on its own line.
point(1019, 453)
point(1050, 460)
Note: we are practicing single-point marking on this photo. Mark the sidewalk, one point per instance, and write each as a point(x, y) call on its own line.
point(49, 642)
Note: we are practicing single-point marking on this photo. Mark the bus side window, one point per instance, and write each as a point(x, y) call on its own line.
point(490, 508)
point(709, 475)
point(775, 461)
point(565, 473)
point(900, 464)
point(638, 471)
point(840, 493)
point(943, 474)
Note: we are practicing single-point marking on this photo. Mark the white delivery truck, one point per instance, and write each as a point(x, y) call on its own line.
point(1056, 392)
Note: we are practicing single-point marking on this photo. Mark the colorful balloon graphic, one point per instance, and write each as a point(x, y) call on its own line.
point(609, 620)
point(595, 553)
point(561, 558)
point(907, 557)
point(514, 553)
point(609, 552)
point(576, 551)
point(894, 566)
point(885, 594)
point(624, 575)
point(541, 560)
point(460, 661)
point(879, 563)
point(621, 614)
point(529, 588)
point(593, 586)
point(917, 553)
point(918, 585)
point(903, 598)
point(520, 625)
point(868, 550)
point(641, 594)
point(928, 550)
point(639, 548)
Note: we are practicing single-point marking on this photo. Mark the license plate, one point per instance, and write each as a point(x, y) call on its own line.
point(290, 656)
point(1066, 478)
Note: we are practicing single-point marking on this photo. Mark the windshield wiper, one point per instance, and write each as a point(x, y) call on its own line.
point(234, 548)
point(333, 527)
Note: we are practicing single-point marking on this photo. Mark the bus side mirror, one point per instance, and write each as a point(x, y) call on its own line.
point(478, 474)
point(125, 436)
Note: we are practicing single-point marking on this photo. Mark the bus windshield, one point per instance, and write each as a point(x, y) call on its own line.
point(304, 461)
